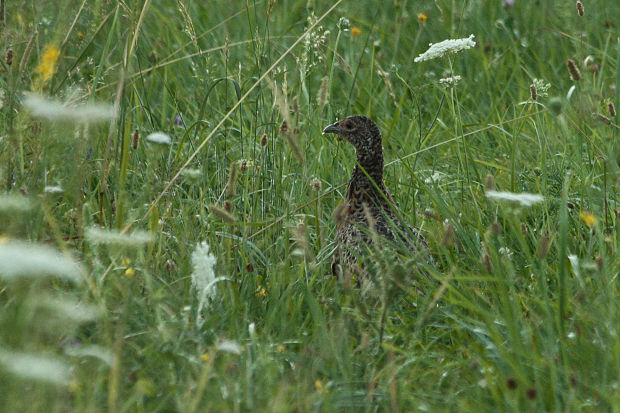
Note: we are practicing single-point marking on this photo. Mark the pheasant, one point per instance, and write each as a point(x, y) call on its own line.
point(368, 208)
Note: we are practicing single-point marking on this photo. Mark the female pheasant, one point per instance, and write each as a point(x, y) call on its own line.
point(368, 208)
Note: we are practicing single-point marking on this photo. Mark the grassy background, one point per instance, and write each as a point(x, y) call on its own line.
point(508, 321)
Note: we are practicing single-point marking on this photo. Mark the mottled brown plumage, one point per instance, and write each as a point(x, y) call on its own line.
point(368, 213)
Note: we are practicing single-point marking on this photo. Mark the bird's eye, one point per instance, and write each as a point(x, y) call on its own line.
point(348, 124)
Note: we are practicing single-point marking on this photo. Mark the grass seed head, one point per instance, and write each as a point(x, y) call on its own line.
point(489, 183)
point(323, 96)
point(486, 262)
point(244, 164)
point(316, 184)
point(543, 246)
point(264, 140)
point(449, 236)
point(579, 8)
point(284, 128)
point(9, 57)
point(232, 179)
point(531, 393)
point(573, 70)
point(496, 228)
point(135, 138)
point(222, 214)
point(602, 118)
point(611, 108)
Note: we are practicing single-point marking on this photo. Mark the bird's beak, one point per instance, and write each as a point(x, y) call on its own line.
point(333, 128)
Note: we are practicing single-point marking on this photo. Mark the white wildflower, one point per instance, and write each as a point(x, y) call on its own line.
point(574, 264)
point(523, 198)
point(541, 87)
point(159, 138)
point(452, 80)
point(252, 330)
point(35, 367)
point(14, 203)
point(68, 309)
point(447, 46)
point(435, 177)
point(228, 346)
point(20, 259)
point(192, 174)
point(53, 189)
point(42, 107)
point(506, 252)
point(203, 275)
point(96, 235)
point(91, 350)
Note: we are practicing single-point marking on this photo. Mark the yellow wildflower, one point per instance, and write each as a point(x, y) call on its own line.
point(125, 261)
point(261, 292)
point(355, 31)
point(205, 357)
point(422, 17)
point(47, 66)
point(281, 348)
point(130, 272)
point(318, 384)
point(80, 35)
point(588, 218)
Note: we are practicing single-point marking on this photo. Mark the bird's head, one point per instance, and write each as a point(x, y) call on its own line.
point(358, 130)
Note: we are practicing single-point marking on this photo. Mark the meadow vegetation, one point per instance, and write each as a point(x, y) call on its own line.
point(166, 199)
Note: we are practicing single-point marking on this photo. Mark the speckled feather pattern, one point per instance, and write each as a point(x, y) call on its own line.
point(367, 198)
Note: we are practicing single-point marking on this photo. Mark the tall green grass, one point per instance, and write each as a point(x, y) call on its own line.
point(519, 313)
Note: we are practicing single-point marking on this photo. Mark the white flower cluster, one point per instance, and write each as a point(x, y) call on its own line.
point(26, 260)
point(203, 275)
point(159, 138)
point(541, 87)
point(96, 235)
point(523, 198)
point(447, 46)
point(42, 107)
point(452, 80)
point(314, 43)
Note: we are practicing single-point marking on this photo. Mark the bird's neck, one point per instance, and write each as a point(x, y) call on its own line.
point(367, 178)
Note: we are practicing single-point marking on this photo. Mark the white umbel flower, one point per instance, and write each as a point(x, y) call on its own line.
point(522, 198)
point(43, 107)
point(159, 138)
point(96, 235)
point(203, 275)
point(35, 367)
point(27, 260)
point(447, 46)
point(13, 202)
point(229, 346)
point(452, 80)
point(53, 189)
